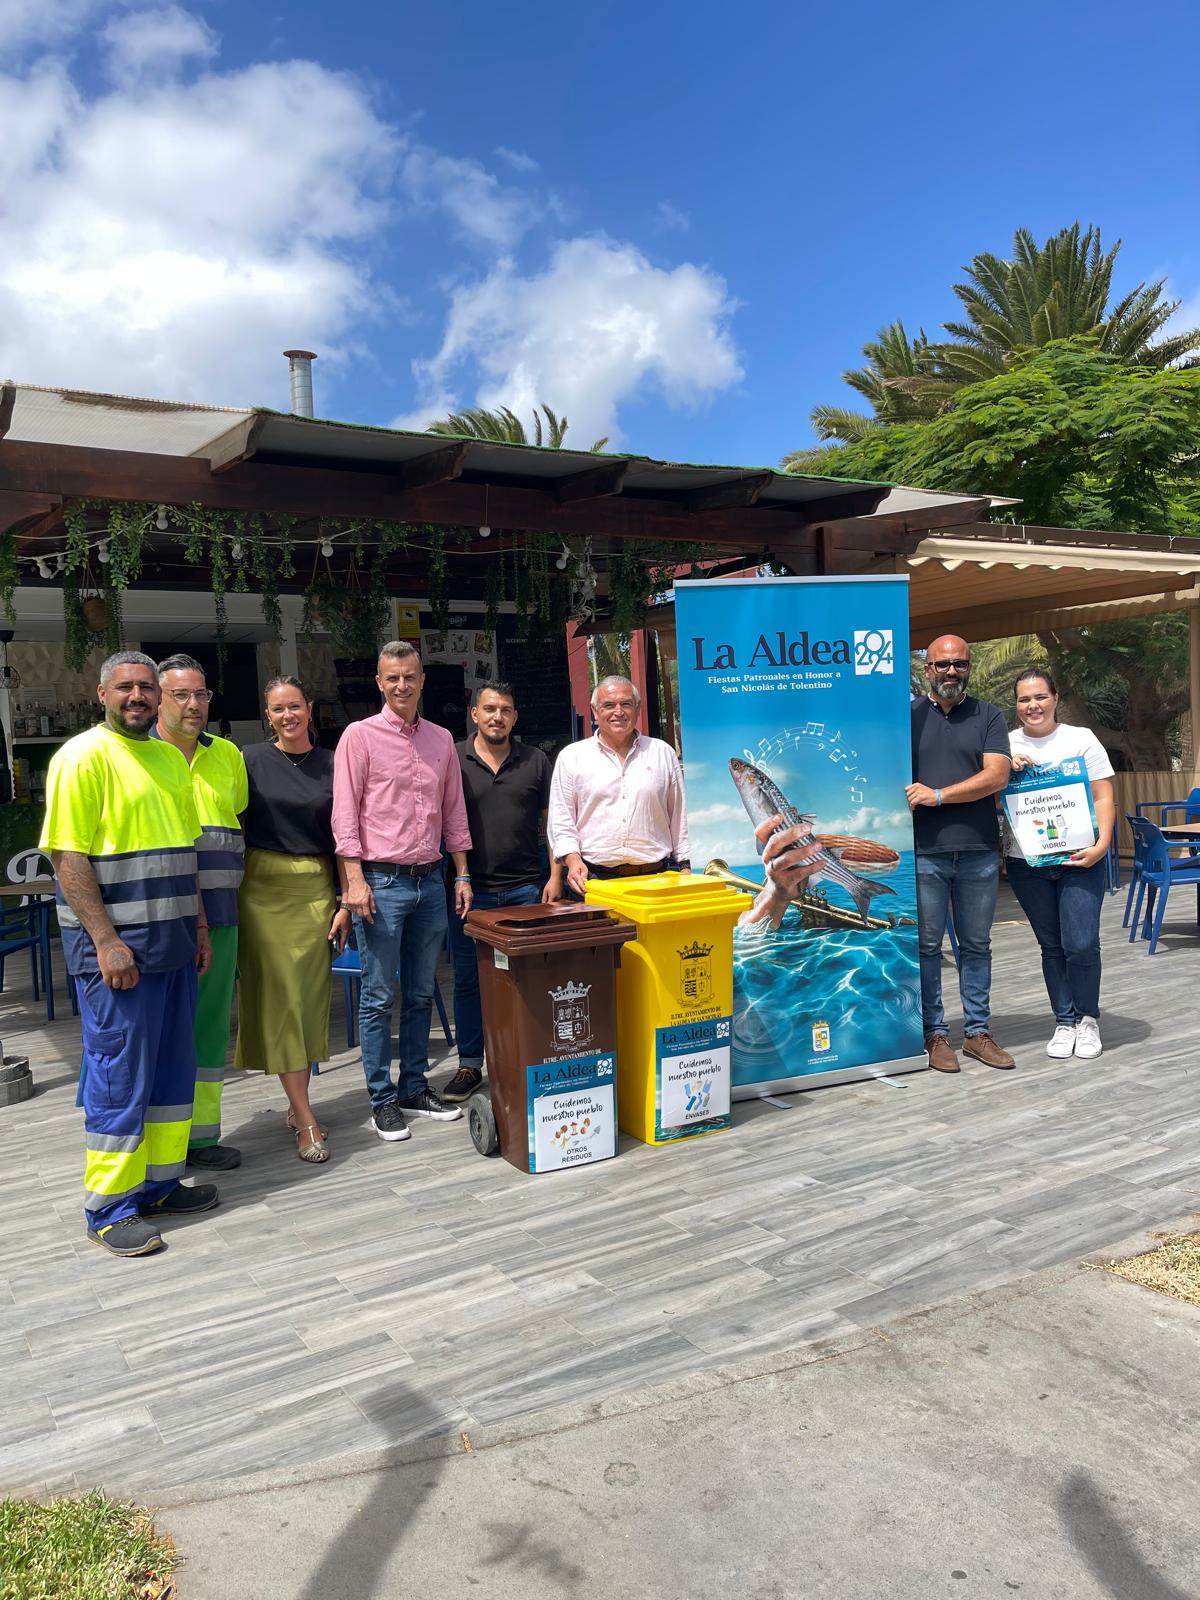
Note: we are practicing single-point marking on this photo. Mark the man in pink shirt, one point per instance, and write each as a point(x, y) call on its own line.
point(616, 800)
point(397, 796)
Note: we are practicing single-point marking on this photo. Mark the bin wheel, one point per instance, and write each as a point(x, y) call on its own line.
point(481, 1121)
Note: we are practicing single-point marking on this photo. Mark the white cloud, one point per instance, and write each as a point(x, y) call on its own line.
point(671, 218)
point(31, 22)
point(599, 326)
point(174, 240)
point(485, 210)
point(710, 816)
point(517, 159)
point(155, 42)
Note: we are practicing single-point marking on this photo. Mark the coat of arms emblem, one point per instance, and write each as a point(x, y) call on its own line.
point(571, 1017)
point(695, 973)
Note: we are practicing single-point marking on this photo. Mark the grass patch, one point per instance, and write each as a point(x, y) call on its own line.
point(92, 1548)
point(1173, 1268)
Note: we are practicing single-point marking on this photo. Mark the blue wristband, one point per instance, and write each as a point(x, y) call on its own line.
point(937, 797)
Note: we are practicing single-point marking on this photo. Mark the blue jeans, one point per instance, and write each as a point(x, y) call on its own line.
point(468, 1016)
point(968, 881)
point(1063, 907)
point(406, 937)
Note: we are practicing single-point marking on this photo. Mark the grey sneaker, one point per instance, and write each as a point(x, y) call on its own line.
point(388, 1122)
point(463, 1084)
point(428, 1104)
point(132, 1236)
point(214, 1157)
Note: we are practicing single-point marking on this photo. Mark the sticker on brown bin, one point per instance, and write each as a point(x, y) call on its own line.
point(571, 1017)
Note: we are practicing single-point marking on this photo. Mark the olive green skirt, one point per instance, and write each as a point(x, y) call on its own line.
point(285, 906)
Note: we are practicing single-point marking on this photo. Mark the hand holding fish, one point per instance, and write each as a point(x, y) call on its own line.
point(791, 856)
point(796, 854)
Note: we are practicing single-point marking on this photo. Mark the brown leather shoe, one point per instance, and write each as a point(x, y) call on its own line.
point(984, 1048)
point(941, 1053)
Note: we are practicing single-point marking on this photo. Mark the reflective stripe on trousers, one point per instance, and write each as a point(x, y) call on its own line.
point(214, 1003)
point(139, 1076)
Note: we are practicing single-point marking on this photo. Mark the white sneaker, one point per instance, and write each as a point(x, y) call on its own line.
point(1087, 1039)
point(1062, 1044)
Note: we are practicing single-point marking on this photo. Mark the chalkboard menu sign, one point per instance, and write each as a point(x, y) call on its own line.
point(537, 670)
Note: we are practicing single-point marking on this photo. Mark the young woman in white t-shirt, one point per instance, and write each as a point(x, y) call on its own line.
point(1063, 903)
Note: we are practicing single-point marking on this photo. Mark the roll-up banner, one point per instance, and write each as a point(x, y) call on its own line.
point(794, 702)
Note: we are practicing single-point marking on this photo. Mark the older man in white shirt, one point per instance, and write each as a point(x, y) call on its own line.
point(616, 799)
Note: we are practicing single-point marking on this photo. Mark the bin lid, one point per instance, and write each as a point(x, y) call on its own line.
point(669, 897)
point(536, 930)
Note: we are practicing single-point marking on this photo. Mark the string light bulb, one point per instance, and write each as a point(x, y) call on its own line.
point(160, 522)
point(102, 552)
point(563, 559)
point(236, 551)
point(43, 567)
point(326, 548)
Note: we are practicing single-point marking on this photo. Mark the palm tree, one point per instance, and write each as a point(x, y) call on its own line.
point(1045, 292)
point(1053, 291)
point(503, 426)
point(892, 358)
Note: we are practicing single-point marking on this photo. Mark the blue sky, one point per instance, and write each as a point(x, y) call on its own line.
point(675, 223)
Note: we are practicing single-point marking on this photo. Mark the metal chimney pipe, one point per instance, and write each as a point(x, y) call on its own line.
point(300, 371)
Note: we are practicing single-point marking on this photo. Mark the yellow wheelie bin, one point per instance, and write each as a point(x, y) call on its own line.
point(674, 1002)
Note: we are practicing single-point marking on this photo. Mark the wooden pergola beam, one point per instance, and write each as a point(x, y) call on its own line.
point(17, 509)
point(437, 466)
point(595, 483)
point(77, 471)
point(236, 445)
point(743, 491)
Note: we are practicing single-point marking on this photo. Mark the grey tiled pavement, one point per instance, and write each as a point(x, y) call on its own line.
point(404, 1291)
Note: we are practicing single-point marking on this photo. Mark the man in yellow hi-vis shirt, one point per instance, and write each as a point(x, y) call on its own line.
point(121, 830)
point(221, 793)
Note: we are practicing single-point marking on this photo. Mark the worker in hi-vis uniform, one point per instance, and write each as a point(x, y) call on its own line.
point(221, 793)
point(121, 829)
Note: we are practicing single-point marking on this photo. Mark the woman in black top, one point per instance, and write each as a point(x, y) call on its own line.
point(288, 915)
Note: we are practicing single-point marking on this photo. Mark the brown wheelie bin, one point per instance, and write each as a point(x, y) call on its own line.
point(547, 984)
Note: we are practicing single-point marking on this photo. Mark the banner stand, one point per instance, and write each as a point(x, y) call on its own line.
point(794, 702)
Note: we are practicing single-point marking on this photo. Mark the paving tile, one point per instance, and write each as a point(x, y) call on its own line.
point(400, 1292)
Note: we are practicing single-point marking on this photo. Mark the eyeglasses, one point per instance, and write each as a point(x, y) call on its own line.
point(182, 696)
point(944, 666)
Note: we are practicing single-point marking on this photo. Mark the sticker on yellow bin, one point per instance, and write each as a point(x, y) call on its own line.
point(694, 1078)
point(674, 1003)
point(572, 1115)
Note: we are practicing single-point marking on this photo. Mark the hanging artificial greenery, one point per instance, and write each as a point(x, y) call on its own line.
point(9, 573)
point(439, 598)
point(240, 551)
point(355, 619)
point(493, 594)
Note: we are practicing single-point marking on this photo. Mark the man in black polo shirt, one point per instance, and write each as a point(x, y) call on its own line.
point(960, 761)
point(506, 785)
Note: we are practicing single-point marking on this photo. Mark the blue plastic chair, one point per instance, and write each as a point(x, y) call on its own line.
point(1135, 871)
point(348, 967)
point(27, 927)
point(1158, 873)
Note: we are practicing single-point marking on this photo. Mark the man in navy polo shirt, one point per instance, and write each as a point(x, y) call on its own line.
point(960, 761)
point(506, 786)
